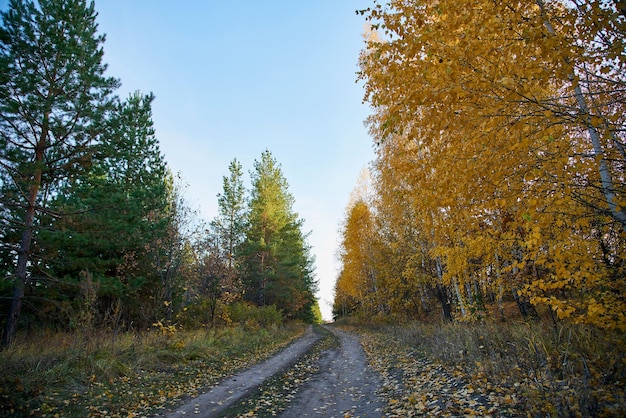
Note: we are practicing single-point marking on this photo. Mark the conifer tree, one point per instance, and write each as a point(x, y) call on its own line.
point(229, 226)
point(54, 96)
point(277, 263)
point(120, 217)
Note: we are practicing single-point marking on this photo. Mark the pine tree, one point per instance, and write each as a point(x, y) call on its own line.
point(54, 97)
point(229, 226)
point(121, 216)
point(277, 263)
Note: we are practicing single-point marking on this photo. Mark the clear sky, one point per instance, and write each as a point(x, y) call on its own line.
point(233, 78)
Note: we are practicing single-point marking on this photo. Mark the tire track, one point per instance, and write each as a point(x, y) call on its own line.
point(241, 385)
point(344, 386)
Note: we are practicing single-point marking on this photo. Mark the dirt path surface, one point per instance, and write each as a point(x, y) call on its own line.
point(229, 391)
point(343, 387)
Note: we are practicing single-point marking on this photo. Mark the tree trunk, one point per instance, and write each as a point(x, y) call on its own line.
point(500, 288)
point(500, 302)
point(212, 313)
point(169, 297)
point(423, 301)
point(10, 327)
point(525, 307)
point(262, 283)
point(618, 213)
point(21, 273)
point(605, 175)
point(442, 294)
point(459, 297)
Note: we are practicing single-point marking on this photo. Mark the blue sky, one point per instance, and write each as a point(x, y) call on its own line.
point(233, 78)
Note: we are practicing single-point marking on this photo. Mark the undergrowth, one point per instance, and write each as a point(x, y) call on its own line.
point(534, 369)
point(129, 374)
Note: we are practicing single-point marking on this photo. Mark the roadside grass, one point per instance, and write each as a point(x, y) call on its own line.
point(130, 374)
point(501, 369)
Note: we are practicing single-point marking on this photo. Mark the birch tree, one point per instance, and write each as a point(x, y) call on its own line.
point(508, 121)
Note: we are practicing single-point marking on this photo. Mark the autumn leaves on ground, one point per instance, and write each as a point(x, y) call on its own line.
point(482, 253)
point(486, 369)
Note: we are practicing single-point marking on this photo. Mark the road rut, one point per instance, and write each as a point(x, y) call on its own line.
point(343, 387)
point(241, 385)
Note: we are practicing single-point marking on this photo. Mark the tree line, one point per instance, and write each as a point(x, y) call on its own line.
point(95, 230)
point(499, 130)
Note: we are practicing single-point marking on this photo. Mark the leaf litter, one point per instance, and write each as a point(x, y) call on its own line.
point(416, 386)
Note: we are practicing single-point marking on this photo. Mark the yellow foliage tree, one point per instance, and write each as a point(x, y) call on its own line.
point(500, 132)
point(358, 278)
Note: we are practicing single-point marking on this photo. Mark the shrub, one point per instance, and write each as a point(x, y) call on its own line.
point(204, 312)
point(253, 316)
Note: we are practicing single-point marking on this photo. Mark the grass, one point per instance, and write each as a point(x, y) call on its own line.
point(487, 368)
point(132, 374)
point(527, 369)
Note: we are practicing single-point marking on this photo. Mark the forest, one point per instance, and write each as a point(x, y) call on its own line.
point(500, 163)
point(482, 252)
point(95, 230)
point(488, 235)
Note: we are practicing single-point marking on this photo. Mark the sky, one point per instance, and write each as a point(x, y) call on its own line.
point(234, 78)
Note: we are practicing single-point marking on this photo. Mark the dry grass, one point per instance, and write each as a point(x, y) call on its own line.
point(102, 374)
point(544, 370)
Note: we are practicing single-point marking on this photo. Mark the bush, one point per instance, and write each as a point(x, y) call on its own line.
point(253, 316)
point(204, 312)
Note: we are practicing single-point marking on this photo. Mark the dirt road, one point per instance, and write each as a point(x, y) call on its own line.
point(343, 386)
point(229, 391)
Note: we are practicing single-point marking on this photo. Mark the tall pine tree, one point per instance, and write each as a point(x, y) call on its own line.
point(229, 226)
point(118, 217)
point(278, 268)
point(53, 98)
